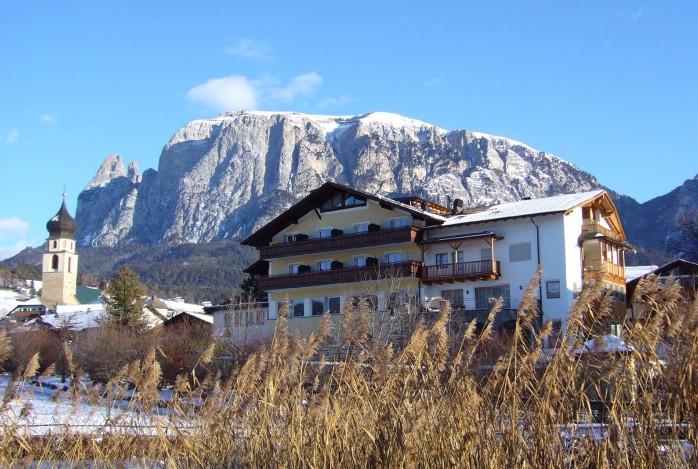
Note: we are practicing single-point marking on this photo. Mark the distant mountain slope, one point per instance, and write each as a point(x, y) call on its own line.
point(654, 224)
point(221, 178)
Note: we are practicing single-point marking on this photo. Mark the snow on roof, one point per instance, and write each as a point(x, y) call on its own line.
point(406, 206)
point(183, 307)
point(202, 317)
point(74, 320)
point(636, 271)
point(524, 208)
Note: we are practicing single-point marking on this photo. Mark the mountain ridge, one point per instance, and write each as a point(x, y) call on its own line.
point(222, 178)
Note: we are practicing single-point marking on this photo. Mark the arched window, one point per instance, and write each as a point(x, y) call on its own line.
point(54, 262)
point(70, 263)
point(55, 244)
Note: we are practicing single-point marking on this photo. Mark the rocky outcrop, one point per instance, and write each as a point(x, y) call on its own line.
point(222, 178)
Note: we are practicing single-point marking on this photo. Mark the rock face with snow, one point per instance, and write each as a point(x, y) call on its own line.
point(222, 178)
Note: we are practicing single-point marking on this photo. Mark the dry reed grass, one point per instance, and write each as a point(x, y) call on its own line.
point(430, 404)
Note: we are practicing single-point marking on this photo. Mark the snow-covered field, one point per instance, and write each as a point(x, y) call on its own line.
point(40, 409)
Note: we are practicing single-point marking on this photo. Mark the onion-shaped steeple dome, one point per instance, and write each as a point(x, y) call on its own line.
point(62, 225)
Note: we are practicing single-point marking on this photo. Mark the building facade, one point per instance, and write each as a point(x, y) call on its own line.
point(339, 243)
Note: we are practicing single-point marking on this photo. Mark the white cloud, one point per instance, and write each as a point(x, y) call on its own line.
point(229, 93)
point(249, 48)
point(48, 118)
point(333, 102)
point(302, 85)
point(12, 136)
point(237, 92)
point(12, 226)
point(8, 251)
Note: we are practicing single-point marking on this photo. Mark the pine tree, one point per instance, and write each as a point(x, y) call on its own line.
point(249, 290)
point(125, 299)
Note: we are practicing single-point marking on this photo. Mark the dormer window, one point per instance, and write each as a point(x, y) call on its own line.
point(342, 200)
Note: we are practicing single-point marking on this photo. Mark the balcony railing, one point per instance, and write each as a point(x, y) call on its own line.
point(340, 243)
point(347, 275)
point(590, 228)
point(461, 271)
point(607, 268)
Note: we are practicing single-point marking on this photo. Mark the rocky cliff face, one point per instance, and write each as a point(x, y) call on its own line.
point(222, 178)
point(655, 223)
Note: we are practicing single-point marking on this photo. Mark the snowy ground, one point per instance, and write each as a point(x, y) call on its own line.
point(9, 300)
point(40, 410)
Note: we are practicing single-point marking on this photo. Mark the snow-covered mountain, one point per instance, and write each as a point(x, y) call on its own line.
point(222, 178)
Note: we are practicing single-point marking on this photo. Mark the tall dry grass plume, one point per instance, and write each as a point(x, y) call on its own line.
point(346, 398)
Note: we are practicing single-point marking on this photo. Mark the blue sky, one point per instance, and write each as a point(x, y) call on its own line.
point(609, 86)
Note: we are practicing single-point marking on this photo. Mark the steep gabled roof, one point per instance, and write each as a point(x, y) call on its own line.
point(314, 200)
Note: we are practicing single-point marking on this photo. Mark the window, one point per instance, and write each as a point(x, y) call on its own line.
point(354, 200)
point(455, 297)
point(442, 258)
point(70, 264)
point(398, 222)
point(486, 254)
point(339, 200)
point(457, 257)
point(393, 257)
point(361, 227)
point(520, 252)
point(360, 261)
point(318, 306)
point(552, 289)
point(333, 304)
point(293, 268)
point(615, 329)
point(298, 308)
point(54, 262)
point(333, 202)
point(486, 297)
point(325, 264)
point(289, 237)
point(55, 244)
point(324, 232)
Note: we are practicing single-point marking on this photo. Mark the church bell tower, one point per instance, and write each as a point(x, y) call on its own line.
point(60, 262)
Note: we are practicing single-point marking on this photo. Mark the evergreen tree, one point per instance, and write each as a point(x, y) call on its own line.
point(125, 299)
point(249, 290)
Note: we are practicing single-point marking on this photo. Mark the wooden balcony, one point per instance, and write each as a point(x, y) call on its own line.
point(610, 271)
point(340, 243)
point(591, 228)
point(461, 272)
point(347, 275)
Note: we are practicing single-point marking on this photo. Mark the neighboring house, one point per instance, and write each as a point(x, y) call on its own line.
point(195, 319)
point(339, 242)
point(167, 309)
point(27, 311)
point(684, 272)
point(476, 257)
point(243, 324)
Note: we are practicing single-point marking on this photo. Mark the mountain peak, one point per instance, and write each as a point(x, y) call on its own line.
point(112, 167)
